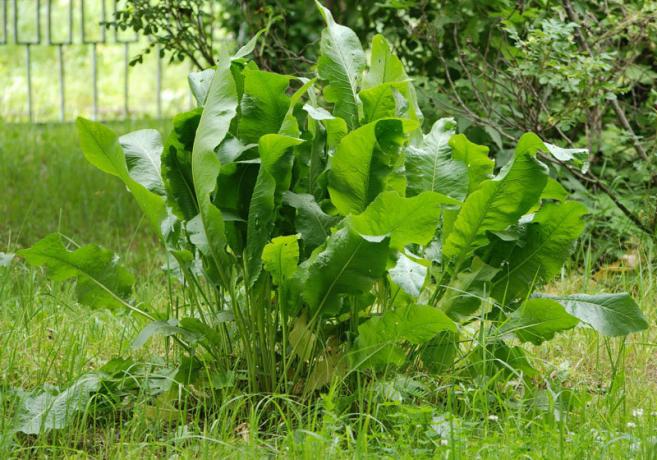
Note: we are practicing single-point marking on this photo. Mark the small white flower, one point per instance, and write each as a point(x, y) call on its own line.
point(631, 425)
point(637, 413)
point(493, 418)
point(653, 413)
point(444, 442)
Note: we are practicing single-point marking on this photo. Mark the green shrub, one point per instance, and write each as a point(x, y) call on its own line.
point(318, 233)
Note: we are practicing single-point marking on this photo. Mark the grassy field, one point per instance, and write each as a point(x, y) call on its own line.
point(597, 398)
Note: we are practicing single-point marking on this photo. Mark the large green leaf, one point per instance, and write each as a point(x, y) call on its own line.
point(51, 411)
point(381, 337)
point(273, 178)
point(430, 166)
point(313, 223)
point(142, 150)
point(290, 125)
point(409, 275)
point(219, 110)
point(404, 220)
point(100, 146)
point(101, 281)
point(497, 203)
point(280, 257)
point(385, 67)
point(538, 319)
point(480, 167)
point(363, 165)
point(349, 264)
point(341, 63)
point(542, 252)
point(609, 314)
point(264, 104)
point(177, 164)
point(199, 83)
point(467, 290)
point(378, 102)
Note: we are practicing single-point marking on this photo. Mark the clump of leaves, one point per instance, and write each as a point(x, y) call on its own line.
point(317, 231)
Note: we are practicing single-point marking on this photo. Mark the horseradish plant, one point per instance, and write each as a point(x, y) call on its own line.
point(316, 230)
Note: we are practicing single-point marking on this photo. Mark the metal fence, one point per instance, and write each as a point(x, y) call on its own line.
point(63, 25)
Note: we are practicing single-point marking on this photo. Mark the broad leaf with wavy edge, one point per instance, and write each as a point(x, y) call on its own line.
point(385, 67)
point(220, 109)
point(365, 164)
point(430, 166)
point(348, 264)
point(381, 338)
point(609, 314)
point(264, 104)
point(497, 203)
point(100, 146)
point(101, 281)
point(538, 320)
point(273, 178)
point(311, 221)
point(404, 220)
point(142, 150)
point(341, 62)
point(280, 257)
point(545, 247)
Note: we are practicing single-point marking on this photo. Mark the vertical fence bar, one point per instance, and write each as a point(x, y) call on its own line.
point(28, 61)
point(61, 63)
point(28, 50)
point(62, 94)
point(94, 50)
point(94, 79)
point(4, 39)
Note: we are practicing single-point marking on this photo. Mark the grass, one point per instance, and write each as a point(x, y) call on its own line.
point(605, 389)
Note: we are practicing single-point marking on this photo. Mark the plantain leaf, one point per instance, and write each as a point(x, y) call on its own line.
point(264, 104)
point(100, 146)
point(385, 67)
point(313, 223)
point(430, 166)
point(554, 191)
point(349, 264)
point(380, 338)
point(199, 83)
point(163, 329)
point(47, 411)
point(101, 281)
point(404, 220)
point(142, 150)
point(378, 102)
point(219, 110)
point(545, 247)
point(409, 275)
point(609, 314)
point(280, 258)
point(290, 125)
point(363, 165)
point(467, 290)
point(538, 319)
point(497, 203)
point(341, 63)
point(480, 167)
point(177, 164)
point(273, 178)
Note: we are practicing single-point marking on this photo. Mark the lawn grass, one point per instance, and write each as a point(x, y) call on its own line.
point(596, 398)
